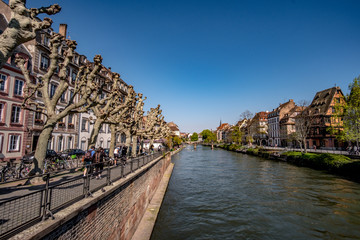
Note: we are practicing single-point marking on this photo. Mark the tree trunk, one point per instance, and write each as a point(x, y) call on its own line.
point(113, 140)
point(134, 146)
point(41, 147)
point(128, 141)
point(95, 131)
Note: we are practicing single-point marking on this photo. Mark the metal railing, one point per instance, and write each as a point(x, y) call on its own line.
point(24, 210)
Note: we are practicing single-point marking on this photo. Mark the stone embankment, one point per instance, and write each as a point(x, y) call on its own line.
point(115, 212)
point(344, 166)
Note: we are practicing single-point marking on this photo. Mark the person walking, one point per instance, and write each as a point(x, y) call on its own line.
point(98, 160)
point(88, 159)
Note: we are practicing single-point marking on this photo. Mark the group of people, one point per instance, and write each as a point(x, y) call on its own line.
point(353, 150)
point(96, 157)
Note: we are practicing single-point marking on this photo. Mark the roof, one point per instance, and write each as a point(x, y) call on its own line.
point(322, 100)
point(223, 126)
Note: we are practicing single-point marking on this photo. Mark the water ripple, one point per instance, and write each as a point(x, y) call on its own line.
point(224, 195)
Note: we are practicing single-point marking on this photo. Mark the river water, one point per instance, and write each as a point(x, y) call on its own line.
point(217, 194)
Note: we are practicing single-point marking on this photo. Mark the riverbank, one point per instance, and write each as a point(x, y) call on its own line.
point(333, 163)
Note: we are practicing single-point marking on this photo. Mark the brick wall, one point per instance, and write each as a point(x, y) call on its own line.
point(117, 215)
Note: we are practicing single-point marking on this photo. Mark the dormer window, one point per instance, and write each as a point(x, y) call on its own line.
point(46, 41)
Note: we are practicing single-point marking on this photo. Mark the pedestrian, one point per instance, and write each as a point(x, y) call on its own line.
point(98, 160)
point(152, 148)
point(355, 150)
point(116, 154)
point(88, 159)
point(159, 148)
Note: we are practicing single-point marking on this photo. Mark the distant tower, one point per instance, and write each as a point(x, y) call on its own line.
point(220, 122)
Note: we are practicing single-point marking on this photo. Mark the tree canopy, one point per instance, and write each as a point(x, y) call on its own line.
point(208, 136)
point(194, 137)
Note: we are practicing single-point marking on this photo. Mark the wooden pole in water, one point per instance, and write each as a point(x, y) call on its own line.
point(195, 146)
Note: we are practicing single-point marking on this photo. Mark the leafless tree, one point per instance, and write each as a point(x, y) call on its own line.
point(23, 26)
point(246, 115)
point(85, 87)
point(303, 123)
point(113, 104)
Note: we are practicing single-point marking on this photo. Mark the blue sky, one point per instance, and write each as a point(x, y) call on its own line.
point(209, 60)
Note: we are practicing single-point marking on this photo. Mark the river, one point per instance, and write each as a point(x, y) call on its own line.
point(217, 194)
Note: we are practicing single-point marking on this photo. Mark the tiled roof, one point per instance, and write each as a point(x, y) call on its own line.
point(322, 100)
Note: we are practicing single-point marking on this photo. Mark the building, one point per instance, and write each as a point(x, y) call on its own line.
point(174, 129)
point(258, 128)
point(13, 118)
point(274, 119)
point(321, 110)
point(222, 132)
point(287, 127)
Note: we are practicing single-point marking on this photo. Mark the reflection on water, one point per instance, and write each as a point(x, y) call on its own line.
point(216, 194)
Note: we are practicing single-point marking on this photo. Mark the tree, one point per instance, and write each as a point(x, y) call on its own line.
point(85, 87)
point(113, 104)
point(303, 123)
point(194, 137)
point(246, 115)
point(176, 141)
point(23, 26)
point(208, 136)
point(236, 134)
point(347, 115)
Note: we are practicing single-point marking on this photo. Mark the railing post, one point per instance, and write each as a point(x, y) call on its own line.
point(122, 169)
point(46, 209)
point(108, 181)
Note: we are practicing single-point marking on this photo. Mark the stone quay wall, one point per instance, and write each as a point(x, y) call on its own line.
point(111, 214)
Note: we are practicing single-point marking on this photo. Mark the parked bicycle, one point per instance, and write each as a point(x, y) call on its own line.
point(8, 172)
point(23, 169)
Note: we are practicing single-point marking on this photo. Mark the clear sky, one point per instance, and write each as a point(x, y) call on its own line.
point(209, 60)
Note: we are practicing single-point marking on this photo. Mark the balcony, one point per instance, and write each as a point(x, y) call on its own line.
point(71, 126)
point(61, 125)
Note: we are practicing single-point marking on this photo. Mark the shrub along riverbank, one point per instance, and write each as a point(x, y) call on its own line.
point(333, 163)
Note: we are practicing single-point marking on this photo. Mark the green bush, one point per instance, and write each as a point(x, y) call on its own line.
point(253, 151)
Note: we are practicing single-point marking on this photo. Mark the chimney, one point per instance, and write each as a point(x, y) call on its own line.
point(291, 100)
point(63, 29)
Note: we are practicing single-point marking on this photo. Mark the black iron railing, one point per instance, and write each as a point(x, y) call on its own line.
point(35, 203)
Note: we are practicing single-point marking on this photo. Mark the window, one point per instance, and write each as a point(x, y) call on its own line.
point(52, 89)
point(2, 110)
point(1, 142)
point(70, 121)
point(14, 142)
point(38, 120)
point(2, 82)
point(83, 145)
point(60, 140)
point(71, 96)
point(15, 114)
point(44, 62)
point(62, 98)
point(46, 41)
point(69, 145)
point(73, 76)
point(18, 90)
point(84, 125)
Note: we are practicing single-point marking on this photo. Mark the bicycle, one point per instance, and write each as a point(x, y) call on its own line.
point(8, 172)
point(23, 170)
